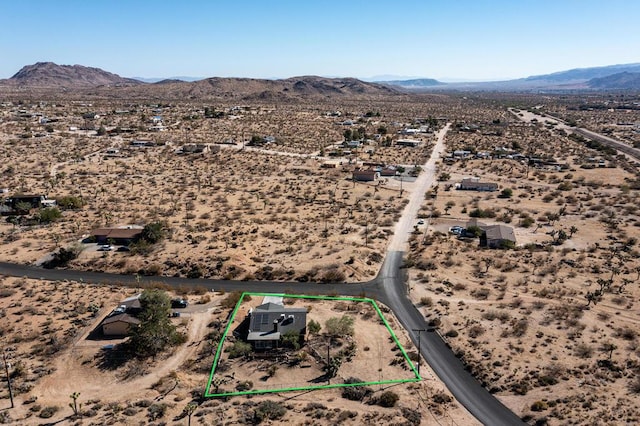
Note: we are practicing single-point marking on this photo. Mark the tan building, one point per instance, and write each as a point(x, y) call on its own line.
point(119, 325)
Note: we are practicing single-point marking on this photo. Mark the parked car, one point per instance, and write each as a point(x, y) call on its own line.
point(457, 230)
point(179, 303)
point(421, 222)
point(105, 247)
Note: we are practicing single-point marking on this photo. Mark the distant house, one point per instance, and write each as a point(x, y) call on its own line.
point(119, 325)
point(388, 171)
point(34, 200)
point(461, 153)
point(408, 142)
point(142, 144)
point(119, 236)
point(476, 185)
point(270, 321)
point(364, 175)
point(497, 236)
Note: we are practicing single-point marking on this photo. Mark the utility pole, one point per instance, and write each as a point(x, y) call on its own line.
point(6, 370)
point(419, 330)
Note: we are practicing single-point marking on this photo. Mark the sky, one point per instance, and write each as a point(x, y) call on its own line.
point(450, 40)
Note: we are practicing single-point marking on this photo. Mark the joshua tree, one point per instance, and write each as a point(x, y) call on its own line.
point(77, 408)
point(189, 410)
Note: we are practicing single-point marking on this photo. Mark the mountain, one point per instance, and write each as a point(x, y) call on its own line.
point(158, 79)
point(620, 81)
point(584, 74)
point(56, 79)
point(294, 88)
point(579, 79)
point(413, 84)
point(48, 74)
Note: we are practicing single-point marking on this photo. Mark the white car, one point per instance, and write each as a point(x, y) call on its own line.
point(421, 222)
point(105, 247)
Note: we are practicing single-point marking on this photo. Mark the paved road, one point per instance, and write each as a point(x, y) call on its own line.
point(562, 125)
point(388, 287)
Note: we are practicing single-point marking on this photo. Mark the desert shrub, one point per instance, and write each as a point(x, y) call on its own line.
point(482, 213)
point(451, 333)
point(49, 214)
point(63, 256)
point(476, 331)
point(387, 399)
point(441, 398)
point(413, 416)
point(156, 411)
point(269, 410)
point(333, 275)
point(48, 412)
point(231, 300)
point(355, 393)
point(313, 327)
point(519, 327)
point(582, 350)
point(342, 326)
point(634, 386)
point(244, 386)
point(69, 202)
point(481, 293)
point(426, 301)
point(239, 349)
point(539, 406)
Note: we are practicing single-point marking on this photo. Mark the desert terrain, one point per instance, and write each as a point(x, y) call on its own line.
point(48, 335)
point(547, 324)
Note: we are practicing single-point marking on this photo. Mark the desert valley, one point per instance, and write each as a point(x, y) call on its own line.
point(513, 218)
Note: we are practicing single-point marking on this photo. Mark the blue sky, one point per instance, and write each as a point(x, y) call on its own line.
point(444, 39)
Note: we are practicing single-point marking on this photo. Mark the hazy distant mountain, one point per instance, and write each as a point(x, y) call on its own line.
point(417, 83)
point(48, 74)
point(596, 78)
point(158, 79)
point(584, 74)
point(620, 81)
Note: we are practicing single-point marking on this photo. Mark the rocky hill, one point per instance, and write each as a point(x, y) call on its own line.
point(47, 77)
point(48, 74)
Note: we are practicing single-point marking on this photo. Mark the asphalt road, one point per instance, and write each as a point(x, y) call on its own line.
point(388, 287)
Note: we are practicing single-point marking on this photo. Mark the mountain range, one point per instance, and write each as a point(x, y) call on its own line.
point(55, 78)
point(613, 77)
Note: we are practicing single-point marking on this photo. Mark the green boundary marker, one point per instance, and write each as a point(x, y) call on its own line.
point(216, 359)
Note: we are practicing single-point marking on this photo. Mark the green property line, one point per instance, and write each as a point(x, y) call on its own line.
point(216, 360)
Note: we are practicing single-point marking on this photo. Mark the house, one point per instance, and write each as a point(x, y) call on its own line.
point(34, 201)
point(388, 171)
point(497, 236)
point(474, 184)
point(408, 142)
point(131, 305)
point(118, 236)
point(364, 175)
point(270, 321)
point(119, 325)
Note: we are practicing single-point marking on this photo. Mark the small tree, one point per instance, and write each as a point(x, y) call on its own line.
point(292, 339)
point(153, 232)
point(155, 332)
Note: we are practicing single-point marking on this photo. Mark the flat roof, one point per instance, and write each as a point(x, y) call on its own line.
point(261, 335)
